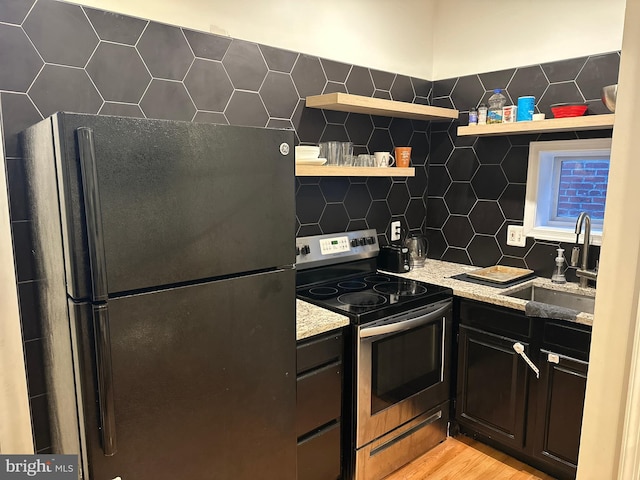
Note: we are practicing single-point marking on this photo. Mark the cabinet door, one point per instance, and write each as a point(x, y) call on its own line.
point(560, 403)
point(492, 384)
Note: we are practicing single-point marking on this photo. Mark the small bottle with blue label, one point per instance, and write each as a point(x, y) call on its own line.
point(473, 117)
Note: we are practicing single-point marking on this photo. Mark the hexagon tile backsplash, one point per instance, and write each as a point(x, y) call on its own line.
point(74, 58)
point(477, 185)
point(62, 56)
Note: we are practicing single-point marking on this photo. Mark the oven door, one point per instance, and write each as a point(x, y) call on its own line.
point(403, 369)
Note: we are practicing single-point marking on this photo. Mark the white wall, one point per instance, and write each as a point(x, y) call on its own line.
point(618, 292)
point(475, 37)
point(386, 35)
point(15, 423)
point(432, 39)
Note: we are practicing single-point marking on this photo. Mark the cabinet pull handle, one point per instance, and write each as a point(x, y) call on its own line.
point(519, 348)
point(553, 358)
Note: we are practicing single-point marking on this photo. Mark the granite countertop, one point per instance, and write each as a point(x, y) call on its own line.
point(313, 320)
point(439, 273)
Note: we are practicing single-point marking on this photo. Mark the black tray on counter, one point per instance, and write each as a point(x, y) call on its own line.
point(466, 278)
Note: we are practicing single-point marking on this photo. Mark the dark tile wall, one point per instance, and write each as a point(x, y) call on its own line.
point(59, 56)
point(477, 185)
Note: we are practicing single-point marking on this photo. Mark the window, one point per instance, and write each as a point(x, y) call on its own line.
point(565, 178)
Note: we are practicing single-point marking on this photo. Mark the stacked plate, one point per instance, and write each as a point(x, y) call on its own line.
point(309, 155)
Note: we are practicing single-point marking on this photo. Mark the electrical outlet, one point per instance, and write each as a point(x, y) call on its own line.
point(396, 229)
point(515, 236)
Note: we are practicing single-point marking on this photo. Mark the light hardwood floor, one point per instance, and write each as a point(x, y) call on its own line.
point(462, 458)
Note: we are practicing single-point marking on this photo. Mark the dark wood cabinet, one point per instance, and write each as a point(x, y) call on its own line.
point(319, 407)
point(560, 397)
point(491, 397)
point(492, 383)
point(499, 398)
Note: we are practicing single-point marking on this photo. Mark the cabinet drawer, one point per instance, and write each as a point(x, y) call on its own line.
point(497, 320)
point(319, 398)
point(319, 351)
point(319, 455)
point(572, 340)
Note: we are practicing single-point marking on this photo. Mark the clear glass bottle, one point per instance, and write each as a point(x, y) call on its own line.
point(558, 274)
point(496, 102)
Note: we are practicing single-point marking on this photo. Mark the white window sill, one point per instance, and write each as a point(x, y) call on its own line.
point(560, 235)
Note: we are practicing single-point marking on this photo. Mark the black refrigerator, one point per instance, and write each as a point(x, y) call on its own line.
point(165, 255)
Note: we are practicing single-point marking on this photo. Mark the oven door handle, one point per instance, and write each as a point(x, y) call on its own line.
point(404, 325)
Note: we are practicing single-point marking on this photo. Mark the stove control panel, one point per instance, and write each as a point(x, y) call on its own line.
point(335, 248)
point(334, 245)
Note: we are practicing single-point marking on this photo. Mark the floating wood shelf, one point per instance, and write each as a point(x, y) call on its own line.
point(324, 171)
point(344, 102)
point(589, 122)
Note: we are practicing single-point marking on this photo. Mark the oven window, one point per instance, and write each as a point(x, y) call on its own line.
point(404, 364)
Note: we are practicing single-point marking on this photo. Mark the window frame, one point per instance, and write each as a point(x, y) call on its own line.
point(544, 157)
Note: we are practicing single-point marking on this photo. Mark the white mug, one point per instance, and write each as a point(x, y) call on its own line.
point(384, 159)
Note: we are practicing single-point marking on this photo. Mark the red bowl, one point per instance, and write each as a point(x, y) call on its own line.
point(570, 110)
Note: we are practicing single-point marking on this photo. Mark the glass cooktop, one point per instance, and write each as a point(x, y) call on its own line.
point(372, 295)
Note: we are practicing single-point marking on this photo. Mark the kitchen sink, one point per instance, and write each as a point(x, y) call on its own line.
point(574, 301)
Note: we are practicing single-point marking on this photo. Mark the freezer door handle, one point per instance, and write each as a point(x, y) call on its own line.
point(105, 378)
point(93, 215)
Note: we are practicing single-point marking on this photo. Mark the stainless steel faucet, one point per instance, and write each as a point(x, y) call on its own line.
point(583, 272)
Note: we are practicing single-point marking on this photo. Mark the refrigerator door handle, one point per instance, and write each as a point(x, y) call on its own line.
point(105, 378)
point(93, 215)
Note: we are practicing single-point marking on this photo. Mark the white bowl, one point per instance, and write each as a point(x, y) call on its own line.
point(307, 151)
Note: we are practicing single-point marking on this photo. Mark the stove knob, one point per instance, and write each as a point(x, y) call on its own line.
point(297, 251)
point(371, 241)
point(354, 242)
point(362, 241)
point(305, 250)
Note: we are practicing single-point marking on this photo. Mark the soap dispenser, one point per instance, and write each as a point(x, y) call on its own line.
point(558, 275)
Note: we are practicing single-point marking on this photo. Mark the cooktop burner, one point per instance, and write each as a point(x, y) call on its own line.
point(352, 285)
point(361, 299)
point(323, 292)
point(401, 287)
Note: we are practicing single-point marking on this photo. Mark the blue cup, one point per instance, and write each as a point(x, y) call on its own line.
point(526, 108)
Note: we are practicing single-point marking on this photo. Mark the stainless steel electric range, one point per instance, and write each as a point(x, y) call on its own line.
point(397, 380)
